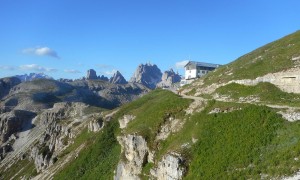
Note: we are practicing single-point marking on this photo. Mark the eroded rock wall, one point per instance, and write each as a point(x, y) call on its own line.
point(58, 133)
point(136, 153)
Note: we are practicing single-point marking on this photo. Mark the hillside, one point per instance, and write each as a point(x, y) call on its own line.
point(163, 136)
point(280, 55)
point(239, 122)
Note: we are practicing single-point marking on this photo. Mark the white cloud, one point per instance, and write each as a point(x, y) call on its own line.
point(9, 68)
point(72, 71)
point(36, 68)
point(181, 64)
point(41, 51)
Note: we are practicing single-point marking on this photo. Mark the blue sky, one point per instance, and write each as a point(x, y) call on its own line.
point(65, 38)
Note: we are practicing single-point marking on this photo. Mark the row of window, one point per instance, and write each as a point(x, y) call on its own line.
point(201, 68)
point(199, 71)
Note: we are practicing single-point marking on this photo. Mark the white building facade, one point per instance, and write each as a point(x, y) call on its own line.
point(198, 69)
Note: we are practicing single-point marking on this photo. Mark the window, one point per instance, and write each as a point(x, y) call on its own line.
point(203, 72)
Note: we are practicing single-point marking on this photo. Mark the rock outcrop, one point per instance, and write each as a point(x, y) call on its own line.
point(95, 125)
point(136, 155)
point(6, 84)
point(13, 122)
point(149, 75)
point(171, 125)
point(290, 116)
point(169, 78)
point(171, 167)
point(91, 74)
point(58, 133)
point(125, 120)
point(117, 78)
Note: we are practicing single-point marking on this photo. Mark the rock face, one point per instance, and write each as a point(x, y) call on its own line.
point(171, 125)
point(169, 168)
point(118, 78)
point(58, 132)
point(33, 76)
point(290, 116)
point(95, 125)
point(168, 78)
point(149, 75)
point(125, 120)
point(6, 84)
point(136, 153)
point(13, 122)
point(91, 74)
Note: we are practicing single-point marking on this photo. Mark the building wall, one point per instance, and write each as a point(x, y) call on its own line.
point(190, 74)
point(192, 71)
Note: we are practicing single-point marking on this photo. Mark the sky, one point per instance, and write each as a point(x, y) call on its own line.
point(64, 39)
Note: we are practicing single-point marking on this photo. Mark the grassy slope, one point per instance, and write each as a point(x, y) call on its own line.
point(243, 143)
point(22, 168)
point(273, 57)
point(99, 157)
point(152, 111)
point(267, 92)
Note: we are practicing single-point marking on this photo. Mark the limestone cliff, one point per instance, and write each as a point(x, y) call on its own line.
point(147, 74)
point(170, 168)
point(169, 78)
point(58, 133)
point(136, 155)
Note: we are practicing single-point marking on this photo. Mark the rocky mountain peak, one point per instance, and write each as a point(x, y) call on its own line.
point(147, 74)
point(103, 78)
point(168, 78)
point(91, 74)
point(117, 78)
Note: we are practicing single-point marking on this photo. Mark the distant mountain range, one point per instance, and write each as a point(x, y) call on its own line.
point(33, 76)
point(147, 74)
